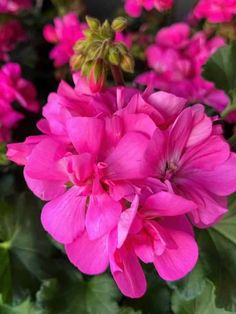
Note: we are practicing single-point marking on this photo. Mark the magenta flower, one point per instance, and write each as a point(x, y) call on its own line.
point(134, 7)
point(64, 34)
point(14, 6)
point(11, 33)
point(195, 160)
point(215, 11)
point(176, 60)
point(14, 88)
point(121, 170)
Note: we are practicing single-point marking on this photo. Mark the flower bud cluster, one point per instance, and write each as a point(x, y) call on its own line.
point(94, 55)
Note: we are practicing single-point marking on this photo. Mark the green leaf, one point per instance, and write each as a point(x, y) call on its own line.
point(221, 68)
point(203, 304)
point(218, 255)
point(26, 307)
point(192, 285)
point(96, 296)
point(24, 247)
point(128, 310)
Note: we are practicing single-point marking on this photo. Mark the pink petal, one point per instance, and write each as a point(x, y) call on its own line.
point(91, 257)
point(64, 216)
point(179, 134)
point(208, 155)
point(202, 128)
point(126, 220)
point(86, 134)
point(168, 105)
point(128, 273)
point(176, 262)
point(127, 160)
point(45, 190)
point(18, 152)
point(43, 163)
point(79, 167)
point(133, 7)
point(167, 204)
point(102, 215)
point(221, 181)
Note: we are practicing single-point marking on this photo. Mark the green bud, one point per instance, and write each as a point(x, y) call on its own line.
point(119, 24)
point(114, 56)
point(88, 33)
point(86, 67)
point(127, 63)
point(122, 48)
point(106, 31)
point(79, 46)
point(93, 23)
point(77, 61)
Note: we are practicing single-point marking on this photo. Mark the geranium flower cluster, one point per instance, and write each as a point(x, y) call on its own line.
point(11, 33)
point(64, 34)
point(14, 6)
point(134, 7)
point(14, 88)
point(126, 174)
point(215, 11)
point(176, 60)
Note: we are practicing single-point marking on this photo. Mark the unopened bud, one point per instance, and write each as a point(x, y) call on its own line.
point(114, 56)
point(127, 63)
point(122, 48)
point(119, 24)
point(79, 46)
point(97, 76)
point(86, 68)
point(76, 62)
point(106, 30)
point(93, 23)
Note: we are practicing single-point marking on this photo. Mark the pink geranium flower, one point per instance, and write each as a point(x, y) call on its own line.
point(14, 6)
point(13, 87)
point(215, 11)
point(134, 7)
point(11, 33)
point(65, 32)
point(121, 170)
point(195, 160)
point(176, 60)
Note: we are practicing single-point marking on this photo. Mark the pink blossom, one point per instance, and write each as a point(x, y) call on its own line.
point(13, 87)
point(17, 88)
point(11, 33)
point(14, 6)
point(215, 11)
point(196, 161)
point(65, 32)
point(120, 170)
point(134, 7)
point(176, 60)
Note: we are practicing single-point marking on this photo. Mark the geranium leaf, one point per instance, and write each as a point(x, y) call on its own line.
point(218, 255)
point(221, 68)
point(203, 304)
point(24, 247)
point(95, 296)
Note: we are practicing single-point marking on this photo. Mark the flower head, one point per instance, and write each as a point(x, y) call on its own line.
point(14, 6)
point(65, 32)
point(134, 7)
point(14, 88)
point(177, 59)
point(121, 171)
point(215, 11)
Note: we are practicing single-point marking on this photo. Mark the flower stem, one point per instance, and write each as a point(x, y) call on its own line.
point(117, 75)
